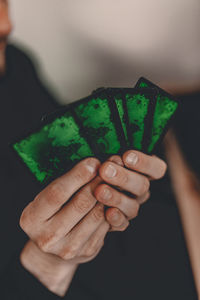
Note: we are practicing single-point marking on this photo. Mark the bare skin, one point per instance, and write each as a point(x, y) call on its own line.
point(64, 234)
point(5, 29)
point(187, 191)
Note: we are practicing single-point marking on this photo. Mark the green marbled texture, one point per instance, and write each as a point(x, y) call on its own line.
point(120, 108)
point(49, 151)
point(137, 108)
point(164, 110)
point(96, 118)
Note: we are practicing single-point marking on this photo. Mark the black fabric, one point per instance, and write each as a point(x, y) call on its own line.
point(147, 261)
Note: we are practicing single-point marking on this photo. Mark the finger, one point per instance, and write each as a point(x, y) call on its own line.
point(152, 166)
point(116, 159)
point(96, 240)
point(52, 198)
point(116, 219)
point(142, 199)
point(128, 180)
point(73, 242)
point(113, 198)
point(71, 214)
point(48, 233)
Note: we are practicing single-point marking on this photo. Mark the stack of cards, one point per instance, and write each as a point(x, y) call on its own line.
point(109, 121)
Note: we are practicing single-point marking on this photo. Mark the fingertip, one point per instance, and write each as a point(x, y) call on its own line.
point(108, 170)
point(116, 219)
point(113, 214)
point(161, 167)
point(102, 169)
point(92, 164)
point(102, 193)
point(130, 158)
point(116, 159)
point(98, 191)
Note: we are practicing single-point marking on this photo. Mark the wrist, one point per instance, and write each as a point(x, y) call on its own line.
point(53, 272)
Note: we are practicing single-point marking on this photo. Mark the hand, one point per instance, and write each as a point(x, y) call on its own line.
point(64, 233)
point(135, 178)
point(62, 227)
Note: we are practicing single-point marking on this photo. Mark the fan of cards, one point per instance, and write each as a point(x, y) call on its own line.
point(109, 121)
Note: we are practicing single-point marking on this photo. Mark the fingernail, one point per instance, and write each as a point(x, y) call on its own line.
point(132, 158)
point(91, 165)
point(110, 171)
point(106, 195)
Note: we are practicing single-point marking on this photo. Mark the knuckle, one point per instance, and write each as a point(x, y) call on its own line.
point(54, 194)
point(124, 178)
point(146, 196)
point(116, 199)
point(135, 210)
point(90, 251)
point(80, 174)
point(83, 202)
point(68, 253)
point(94, 247)
point(163, 168)
point(25, 221)
point(144, 187)
point(98, 213)
point(45, 242)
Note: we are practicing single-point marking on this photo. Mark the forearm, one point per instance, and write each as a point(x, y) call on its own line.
point(50, 270)
point(186, 189)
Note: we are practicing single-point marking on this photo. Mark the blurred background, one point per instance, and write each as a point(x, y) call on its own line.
point(79, 45)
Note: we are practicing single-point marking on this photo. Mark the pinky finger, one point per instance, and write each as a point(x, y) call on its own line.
point(142, 199)
point(116, 219)
point(96, 241)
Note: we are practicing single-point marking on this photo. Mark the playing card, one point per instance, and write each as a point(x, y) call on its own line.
point(117, 96)
point(165, 108)
point(138, 108)
point(54, 148)
point(98, 116)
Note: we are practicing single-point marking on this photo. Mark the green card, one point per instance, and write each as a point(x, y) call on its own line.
point(165, 108)
point(100, 121)
point(136, 107)
point(117, 95)
point(54, 148)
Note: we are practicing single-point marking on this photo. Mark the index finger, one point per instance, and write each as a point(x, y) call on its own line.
point(149, 165)
point(52, 198)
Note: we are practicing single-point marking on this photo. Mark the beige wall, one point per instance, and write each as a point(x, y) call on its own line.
point(84, 44)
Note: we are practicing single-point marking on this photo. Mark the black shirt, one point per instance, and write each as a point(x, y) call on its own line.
point(147, 261)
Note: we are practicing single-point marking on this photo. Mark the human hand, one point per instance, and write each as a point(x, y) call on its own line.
point(64, 233)
point(62, 227)
point(135, 179)
point(67, 233)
